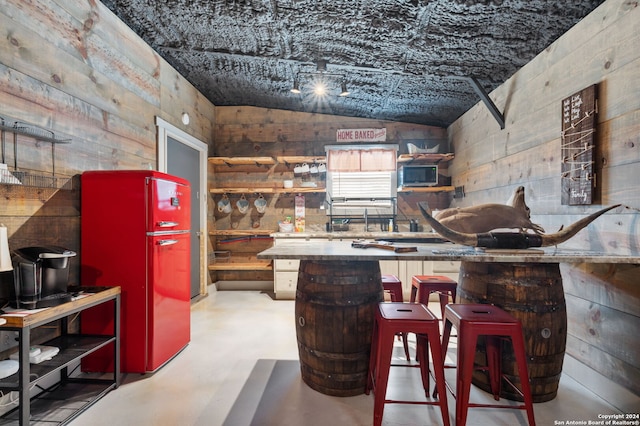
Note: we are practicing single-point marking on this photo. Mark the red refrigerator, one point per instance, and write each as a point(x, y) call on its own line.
point(135, 234)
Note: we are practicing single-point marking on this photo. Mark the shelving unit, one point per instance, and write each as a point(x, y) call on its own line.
point(425, 158)
point(24, 177)
point(287, 160)
point(236, 161)
point(74, 394)
point(243, 259)
point(427, 189)
point(405, 159)
point(245, 264)
point(263, 190)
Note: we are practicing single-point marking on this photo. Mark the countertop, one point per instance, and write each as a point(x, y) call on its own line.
point(342, 250)
point(341, 235)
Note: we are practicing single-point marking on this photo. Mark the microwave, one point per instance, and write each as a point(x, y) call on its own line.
point(418, 175)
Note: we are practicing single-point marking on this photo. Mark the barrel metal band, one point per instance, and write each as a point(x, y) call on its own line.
point(519, 307)
point(356, 356)
point(331, 279)
point(354, 300)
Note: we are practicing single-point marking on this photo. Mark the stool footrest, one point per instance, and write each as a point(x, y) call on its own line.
point(511, 407)
point(392, 401)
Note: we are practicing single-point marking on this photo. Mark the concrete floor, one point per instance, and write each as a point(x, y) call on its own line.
point(241, 368)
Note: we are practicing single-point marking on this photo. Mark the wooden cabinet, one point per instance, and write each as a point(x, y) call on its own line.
point(74, 393)
point(285, 278)
point(285, 272)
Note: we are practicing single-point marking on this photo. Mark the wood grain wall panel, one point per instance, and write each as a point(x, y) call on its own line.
point(490, 163)
point(41, 60)
point(604, 329)
point(618, 139)
point(617, 370)
point(72, 67)
point(26, 99)
point(258, 125)
point(250, 131)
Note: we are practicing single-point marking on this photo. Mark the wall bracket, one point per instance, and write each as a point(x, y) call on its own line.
point(485, 98)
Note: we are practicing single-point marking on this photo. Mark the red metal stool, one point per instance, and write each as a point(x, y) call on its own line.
point(393, 318)
point(393, 285)
point(473, 320)
point(424, 285)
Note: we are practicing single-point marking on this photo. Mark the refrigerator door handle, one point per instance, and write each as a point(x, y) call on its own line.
point(166, 242)
point(167, 224)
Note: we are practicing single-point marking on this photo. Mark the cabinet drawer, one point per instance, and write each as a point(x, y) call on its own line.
point(444, 266)
point(287, 264)
point(285, 281)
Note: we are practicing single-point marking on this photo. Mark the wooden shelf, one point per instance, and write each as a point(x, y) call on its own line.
point(241, 232)
point(427, 189)
point(253, 266)
point(236, 161)
point(311, 190)
point(263, 161)
point(296, 159)
point(425, 158)
point(248, 190)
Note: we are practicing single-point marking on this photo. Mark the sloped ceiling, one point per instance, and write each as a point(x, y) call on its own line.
point(400, 59)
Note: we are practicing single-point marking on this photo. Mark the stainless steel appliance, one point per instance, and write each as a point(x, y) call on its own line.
point(417, 175)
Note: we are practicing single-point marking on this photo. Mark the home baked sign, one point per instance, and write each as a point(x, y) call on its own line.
point(361, 135)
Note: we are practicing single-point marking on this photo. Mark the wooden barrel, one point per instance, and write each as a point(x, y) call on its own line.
point(533, 293)
point(335, 310)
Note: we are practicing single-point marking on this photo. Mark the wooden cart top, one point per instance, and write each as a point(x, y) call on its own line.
point(86, 298)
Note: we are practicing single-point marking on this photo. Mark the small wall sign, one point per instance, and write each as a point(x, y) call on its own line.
point(361, 135)
point(578, 143)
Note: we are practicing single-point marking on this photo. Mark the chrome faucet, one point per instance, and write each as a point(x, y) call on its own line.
point(366, 223)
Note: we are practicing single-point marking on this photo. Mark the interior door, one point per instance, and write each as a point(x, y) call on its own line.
point(183, 161)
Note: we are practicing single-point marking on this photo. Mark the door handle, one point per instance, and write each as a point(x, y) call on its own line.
point(166, 224)
point(167, 242)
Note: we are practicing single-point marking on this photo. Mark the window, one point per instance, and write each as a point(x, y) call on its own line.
point(361, 178)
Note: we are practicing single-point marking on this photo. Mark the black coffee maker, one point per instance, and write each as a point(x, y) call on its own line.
point(41, 276)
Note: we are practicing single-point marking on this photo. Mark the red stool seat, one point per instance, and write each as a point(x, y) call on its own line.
point(424, 285)
point(471, 321)
point(393, 286)
point(392, 318)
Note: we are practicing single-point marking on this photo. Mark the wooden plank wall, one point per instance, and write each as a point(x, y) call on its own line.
point(602, 301)
point(249, 131)
point(72, 67)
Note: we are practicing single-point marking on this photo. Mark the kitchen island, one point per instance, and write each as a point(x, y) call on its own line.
point(481, 271)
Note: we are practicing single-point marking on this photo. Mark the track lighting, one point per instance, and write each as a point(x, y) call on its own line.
point(296, 87)
point(344, 91)
point(320, 84)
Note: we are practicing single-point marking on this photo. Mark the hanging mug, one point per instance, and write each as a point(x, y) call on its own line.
point(261, 204)
point(322, 168)
point(313, 169)
point(242, 204)
point(224, 206)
